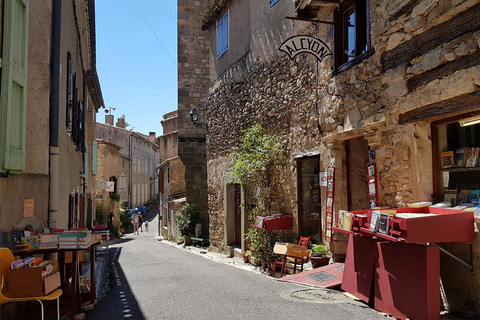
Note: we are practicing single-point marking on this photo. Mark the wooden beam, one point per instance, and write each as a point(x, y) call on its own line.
point(464, 22)
point(468, 104)
point(444, 70)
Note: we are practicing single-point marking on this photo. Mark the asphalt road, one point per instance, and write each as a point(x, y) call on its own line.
point(151, 279)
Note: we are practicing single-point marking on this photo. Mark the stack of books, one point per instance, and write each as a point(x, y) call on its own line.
point(75, 239)
point(27, 243)
point(49, 240)
point(26, 263)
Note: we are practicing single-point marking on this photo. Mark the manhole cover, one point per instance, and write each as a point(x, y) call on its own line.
point(313, 295)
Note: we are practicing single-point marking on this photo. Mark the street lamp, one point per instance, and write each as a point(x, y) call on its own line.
point(194, 117)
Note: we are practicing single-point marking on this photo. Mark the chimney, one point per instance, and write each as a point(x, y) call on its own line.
point(151, 135)
point(109, 119)
point(121, 123)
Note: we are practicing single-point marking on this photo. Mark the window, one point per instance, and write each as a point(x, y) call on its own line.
point(272, 2)
point(352, 33)
point(75, 117)
point(70, 85)
point(13, 101)
point(222, 35)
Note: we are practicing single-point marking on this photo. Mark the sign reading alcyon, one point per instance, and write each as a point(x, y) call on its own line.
point(308, 44)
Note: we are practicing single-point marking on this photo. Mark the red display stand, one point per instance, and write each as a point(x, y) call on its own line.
point(407, 281)
point(359, 268)
point(274, 222)
point(401, 276)
point(446, 225)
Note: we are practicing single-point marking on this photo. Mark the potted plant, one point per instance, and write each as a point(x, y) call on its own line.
point(319, 257)
point(186, 221)
point(246, 256)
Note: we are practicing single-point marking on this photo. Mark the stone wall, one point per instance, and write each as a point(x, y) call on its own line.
point(193, 57)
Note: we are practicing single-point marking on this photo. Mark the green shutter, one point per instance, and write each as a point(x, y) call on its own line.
point(94, 157)
point(85, 160)
point(13, 102)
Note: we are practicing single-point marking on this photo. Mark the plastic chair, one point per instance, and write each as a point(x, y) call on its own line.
point(6, 258)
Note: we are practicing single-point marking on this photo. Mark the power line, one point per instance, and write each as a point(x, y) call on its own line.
point(148, 24)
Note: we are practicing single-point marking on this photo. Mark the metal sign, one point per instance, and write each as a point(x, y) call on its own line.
point(308, 44)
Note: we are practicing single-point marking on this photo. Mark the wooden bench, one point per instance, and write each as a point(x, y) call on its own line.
point(202, 241)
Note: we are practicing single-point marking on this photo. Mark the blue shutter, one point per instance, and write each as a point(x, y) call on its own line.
point(13, 104)
point(219, 38)
point(225, 33)
point(222, 35)
point(94, 157)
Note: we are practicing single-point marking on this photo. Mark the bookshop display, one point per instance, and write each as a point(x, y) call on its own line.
point(400, 276)
point(457, 174)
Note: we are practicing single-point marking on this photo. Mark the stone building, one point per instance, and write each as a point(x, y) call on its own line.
point(171, 176)
point(193, 81)
point(139, 154)
point(400, 88)
point(108, 164)
point(50, 95)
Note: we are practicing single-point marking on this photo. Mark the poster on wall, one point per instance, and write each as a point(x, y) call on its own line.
point(329, 203)
point(372, 185)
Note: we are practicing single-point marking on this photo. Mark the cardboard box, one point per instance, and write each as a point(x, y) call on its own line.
point(28, 282)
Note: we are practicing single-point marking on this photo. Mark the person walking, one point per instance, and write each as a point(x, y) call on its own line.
point(135, 222)
point(140, 221)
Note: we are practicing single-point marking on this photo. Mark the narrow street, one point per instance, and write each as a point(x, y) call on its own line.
point(151, 279)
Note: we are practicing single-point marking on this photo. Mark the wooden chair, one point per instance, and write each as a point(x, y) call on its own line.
point(304, 241)
point(6, 258)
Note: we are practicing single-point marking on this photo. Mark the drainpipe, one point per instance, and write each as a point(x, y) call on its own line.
point(54, 106)
point(130, 182)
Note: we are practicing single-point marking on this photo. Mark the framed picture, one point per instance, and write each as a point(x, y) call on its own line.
point(447, 159)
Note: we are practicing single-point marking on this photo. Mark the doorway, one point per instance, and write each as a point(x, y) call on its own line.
point(233, 215)
point(357, 183)
point(308, 198)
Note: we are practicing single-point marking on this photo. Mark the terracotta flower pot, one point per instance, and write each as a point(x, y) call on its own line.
point(319, 261)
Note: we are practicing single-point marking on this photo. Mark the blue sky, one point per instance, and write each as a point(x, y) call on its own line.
point(137, 76)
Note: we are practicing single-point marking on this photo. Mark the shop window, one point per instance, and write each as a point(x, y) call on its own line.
point(352, 33)
point(13, 102)
point(222, 35)
point(272, 2)
point(456, 160)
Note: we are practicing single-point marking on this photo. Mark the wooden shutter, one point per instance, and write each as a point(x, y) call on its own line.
point(161, 186)
point(94, 157)
point(13, 104)
point(85, 159)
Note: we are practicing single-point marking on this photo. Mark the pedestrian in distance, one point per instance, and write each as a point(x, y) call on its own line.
point(140, 221)
point(135, 222)
point(146, 226)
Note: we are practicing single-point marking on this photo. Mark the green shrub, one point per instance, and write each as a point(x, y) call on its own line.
point(319, 251)
point(186, 220)
point(115, 197)
point(100, 214)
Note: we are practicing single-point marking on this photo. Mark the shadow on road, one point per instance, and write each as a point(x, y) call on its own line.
point(120, 303)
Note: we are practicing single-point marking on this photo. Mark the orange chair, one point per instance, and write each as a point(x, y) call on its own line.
point(6, 258)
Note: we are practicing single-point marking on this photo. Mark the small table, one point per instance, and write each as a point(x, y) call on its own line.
point(75, 304)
